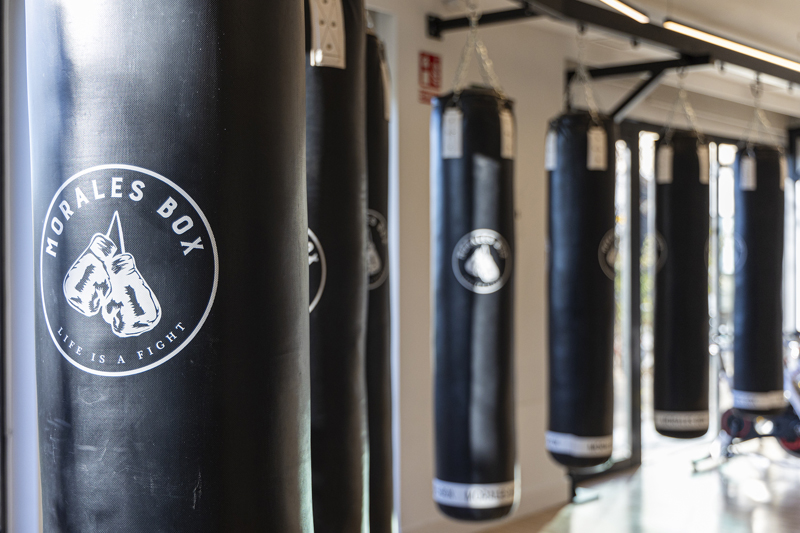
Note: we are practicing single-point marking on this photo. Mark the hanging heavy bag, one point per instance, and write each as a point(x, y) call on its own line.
point(580, 158)
point(758, 336)
point(472, 144)
point(170, 219)
point(337, 214)
point(379, 379)
point(681, 361)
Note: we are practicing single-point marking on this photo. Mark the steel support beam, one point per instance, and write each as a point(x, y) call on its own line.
point(437, 25)
point(630, 69)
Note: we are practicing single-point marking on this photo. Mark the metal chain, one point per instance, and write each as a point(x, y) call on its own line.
point(760, 119)
point(485, 65)
point(583, 77)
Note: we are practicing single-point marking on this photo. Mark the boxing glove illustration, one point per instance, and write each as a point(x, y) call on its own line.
point(102, 279)
point(481, 265)
point(132, 308)
point(375, 263)
point(87, 283)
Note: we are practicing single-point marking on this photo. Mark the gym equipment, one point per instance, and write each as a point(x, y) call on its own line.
point(337, 214)
point(172, 348)
point(681, 321)
point(758, 386)
point(582, 252)
point(472, 143)
point(379, 378)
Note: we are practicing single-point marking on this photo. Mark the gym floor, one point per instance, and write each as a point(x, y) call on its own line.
point(756, 492)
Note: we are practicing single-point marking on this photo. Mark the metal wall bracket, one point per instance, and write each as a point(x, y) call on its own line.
point(629, 69)
point(656, 71)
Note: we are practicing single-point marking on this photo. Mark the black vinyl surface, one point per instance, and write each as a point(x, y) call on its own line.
point(337, 214)
point(474, 331)
point(379, 378)
point(758, 311)
point(681, 322)
point(581, 287)
point(171, 283)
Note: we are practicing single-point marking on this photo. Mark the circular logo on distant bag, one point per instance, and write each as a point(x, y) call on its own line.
point(482, 261)
point(607, 253)
point(377, 249)
point(128, 270)
point(317, 270)
point(662, 251)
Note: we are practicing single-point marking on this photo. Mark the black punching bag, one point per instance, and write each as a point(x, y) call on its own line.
point(379, 378)
point(758, 331)
point(472, 150)
point(681, 361)
point(337, 214)
point(580, 158)
point(170, 219)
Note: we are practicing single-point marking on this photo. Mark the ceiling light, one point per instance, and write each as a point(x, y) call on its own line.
point(731, 45)
point(625, 9)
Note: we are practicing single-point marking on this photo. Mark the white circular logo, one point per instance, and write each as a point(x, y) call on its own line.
point(128, 270)
point(482, 261)
point(317, 270)
point(377, 249)
point(607, 253)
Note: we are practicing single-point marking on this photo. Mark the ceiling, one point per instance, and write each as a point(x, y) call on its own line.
point(774, 26)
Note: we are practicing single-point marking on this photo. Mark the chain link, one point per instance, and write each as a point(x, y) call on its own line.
point(760, 120)
point(683, 100)
point(475, 44)
point(583, 77)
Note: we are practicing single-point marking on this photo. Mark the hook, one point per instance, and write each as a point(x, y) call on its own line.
point(756, 89)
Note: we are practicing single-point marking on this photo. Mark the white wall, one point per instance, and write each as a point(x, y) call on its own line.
point(530, 65)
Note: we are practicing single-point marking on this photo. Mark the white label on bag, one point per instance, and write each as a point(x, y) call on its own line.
point(703, 158)
point(759, 400)
point(327, 34)
point(551, 151)
point(452, 134)
point(507, 134)
point(664, 171)
point(748, 170)
point(575, 446)
point(784, 171)
point(597, 149)
point(681, 420)
point(473, 496)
